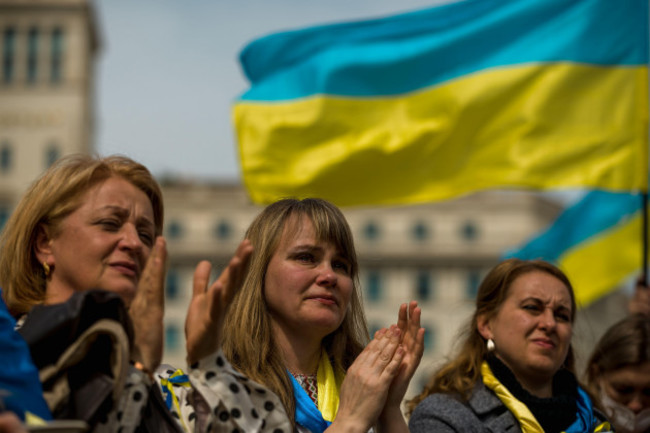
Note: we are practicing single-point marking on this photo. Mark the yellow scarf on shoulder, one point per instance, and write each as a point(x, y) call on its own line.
point(527, 420)
point(329, 388)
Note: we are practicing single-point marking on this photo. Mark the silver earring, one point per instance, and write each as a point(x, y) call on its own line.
point(490, 345)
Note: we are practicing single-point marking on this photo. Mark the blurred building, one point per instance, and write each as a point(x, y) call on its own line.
point(48, 52)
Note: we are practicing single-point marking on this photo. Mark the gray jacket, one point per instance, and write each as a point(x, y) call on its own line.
point(483, 413)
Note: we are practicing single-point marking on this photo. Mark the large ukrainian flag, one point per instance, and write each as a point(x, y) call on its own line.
point(437, 103)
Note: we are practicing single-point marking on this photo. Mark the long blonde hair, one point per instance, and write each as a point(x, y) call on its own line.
point(249, 342)
point(459, 375)
point(51, 198)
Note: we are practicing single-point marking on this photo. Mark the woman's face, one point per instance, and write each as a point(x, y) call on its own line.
point(629, 386)
point(307, 286)
point(103, 244)
point(532, 329)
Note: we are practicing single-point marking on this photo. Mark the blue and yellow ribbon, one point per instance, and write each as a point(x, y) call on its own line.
point(178, 378)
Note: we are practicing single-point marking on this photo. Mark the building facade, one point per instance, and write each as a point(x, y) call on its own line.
point(47, 79)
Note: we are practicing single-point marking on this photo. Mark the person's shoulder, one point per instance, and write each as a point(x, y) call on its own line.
point(443, 413)
point(483, 412)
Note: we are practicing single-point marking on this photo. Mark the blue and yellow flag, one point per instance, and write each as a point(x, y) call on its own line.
point(437, 103)
point(597, 242)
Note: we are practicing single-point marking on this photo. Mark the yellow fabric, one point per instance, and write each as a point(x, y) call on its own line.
point(329, 388)
point(606, 270)
point(33, 420)
point(525, 417)
point(535, 125)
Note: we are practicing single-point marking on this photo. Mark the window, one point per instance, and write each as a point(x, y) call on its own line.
point(8, 53)
point(172, 337)
point(32, 55)
point(171, 286)
point(56, 55)
point(174, 230)
point(373, 286)
point(4, 215)
point(420, 231)
point(423, 288)
point(6, 156)
point(223, 230)
point(51, 155)
point(473, 281)
point(469, 231)
point(429, 338)
point(371, 231)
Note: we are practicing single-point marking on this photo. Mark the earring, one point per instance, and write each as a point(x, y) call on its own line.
point(46, 269)
point(490, 345)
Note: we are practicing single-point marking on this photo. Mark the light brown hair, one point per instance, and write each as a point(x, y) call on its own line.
point(51, 198)
point(249, 342)
point(459, 375)
point(625, 344)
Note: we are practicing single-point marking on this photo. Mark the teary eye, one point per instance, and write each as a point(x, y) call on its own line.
point(305, 257)
point(341, 265)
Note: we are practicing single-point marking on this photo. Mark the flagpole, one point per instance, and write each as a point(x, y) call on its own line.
point(644, 194)
point(644, 264)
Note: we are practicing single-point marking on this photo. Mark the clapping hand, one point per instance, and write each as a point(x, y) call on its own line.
point(148, 308)
point(208, 306)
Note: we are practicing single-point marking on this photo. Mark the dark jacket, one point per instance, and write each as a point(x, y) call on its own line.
point(483, 413)
point(444, 413)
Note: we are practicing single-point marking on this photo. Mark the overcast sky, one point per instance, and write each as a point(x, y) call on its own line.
point(168, 73)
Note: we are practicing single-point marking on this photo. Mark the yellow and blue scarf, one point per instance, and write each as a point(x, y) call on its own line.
point(585, 419)
point(309, 415)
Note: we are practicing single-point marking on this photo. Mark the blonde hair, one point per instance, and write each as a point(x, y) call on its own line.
point(51, 198)
point(249, 342)
point(625, 344)
point(459, 375)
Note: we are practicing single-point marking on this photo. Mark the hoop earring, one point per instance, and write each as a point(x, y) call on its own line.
point(46, 269)
point(490, 345)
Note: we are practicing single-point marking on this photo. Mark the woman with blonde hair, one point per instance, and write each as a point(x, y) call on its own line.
point(84, 244)
point(618, 373)
point(514, 370)
point(298, 325)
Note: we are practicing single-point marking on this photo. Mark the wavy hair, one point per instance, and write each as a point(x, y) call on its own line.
point(52, 197)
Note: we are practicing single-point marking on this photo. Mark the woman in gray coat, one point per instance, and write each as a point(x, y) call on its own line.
point(514, 371)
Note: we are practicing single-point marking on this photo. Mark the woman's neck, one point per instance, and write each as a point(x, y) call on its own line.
point(301, 352)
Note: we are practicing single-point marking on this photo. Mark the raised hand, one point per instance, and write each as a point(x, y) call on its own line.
point(366, 384)
point(408, 321)
point(208, 306)
point(148, 308)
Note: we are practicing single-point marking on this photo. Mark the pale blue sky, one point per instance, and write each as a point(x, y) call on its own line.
point(168, 73)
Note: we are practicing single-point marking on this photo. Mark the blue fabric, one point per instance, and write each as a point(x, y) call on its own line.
point(585, 419)
point(307, 414)
point(20, 387)
point(435, 45)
